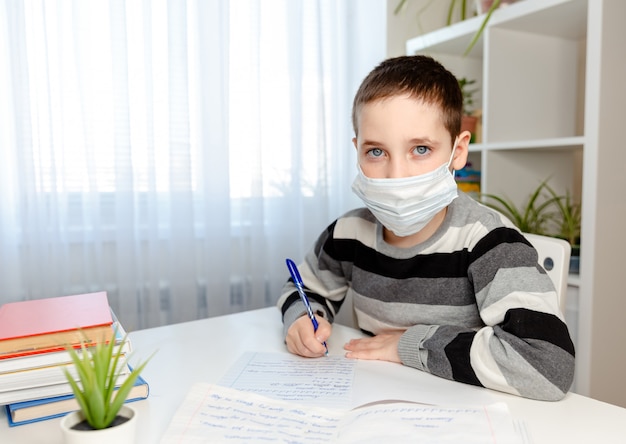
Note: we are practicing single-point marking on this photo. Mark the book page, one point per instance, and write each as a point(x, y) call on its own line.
point(212, 413)
point(323, 382)
point(399, 421)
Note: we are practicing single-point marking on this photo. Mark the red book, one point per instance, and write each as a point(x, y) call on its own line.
point(43, 325)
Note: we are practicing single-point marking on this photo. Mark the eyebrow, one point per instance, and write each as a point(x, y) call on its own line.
point(371, 143)
point(415, 141)
point(424, 141)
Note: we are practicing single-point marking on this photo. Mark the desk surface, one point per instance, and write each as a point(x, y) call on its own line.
point(204, 351)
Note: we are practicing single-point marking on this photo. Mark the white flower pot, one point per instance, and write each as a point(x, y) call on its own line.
point(121, 434)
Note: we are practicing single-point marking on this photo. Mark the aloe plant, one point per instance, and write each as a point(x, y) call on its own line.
point(97, 396)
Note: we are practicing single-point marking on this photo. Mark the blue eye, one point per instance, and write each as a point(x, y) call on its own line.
point(421, 150)
point(375, 152)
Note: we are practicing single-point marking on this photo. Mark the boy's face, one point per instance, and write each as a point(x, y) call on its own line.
point(402, 137)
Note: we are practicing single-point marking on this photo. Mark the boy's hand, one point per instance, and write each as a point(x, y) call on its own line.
point(382, 347)
point(302, 340)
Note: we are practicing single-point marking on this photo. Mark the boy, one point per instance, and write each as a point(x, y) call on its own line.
point(442, 283)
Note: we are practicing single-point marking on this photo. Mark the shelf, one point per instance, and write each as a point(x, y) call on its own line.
point(452, 39)
point(551, 77)
point(529, 64)
point(554, 144)
point(557, 18)
point(544, 17)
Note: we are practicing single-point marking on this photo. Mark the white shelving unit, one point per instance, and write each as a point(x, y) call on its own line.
point(552, 76)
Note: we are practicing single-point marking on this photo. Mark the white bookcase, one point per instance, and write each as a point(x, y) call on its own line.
point(552, 76)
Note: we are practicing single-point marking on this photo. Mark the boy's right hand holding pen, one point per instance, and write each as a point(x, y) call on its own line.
point(300, 337)
point(304, 341)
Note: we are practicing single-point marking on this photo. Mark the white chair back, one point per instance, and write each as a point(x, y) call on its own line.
point(554, 257)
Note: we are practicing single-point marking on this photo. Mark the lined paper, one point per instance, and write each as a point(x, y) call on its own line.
point(212, 413)
point(323, 382)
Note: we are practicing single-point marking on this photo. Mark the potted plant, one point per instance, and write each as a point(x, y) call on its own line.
point(568, 219)
point(469, 119)
point(534, 216)
point(547, 213)
point(103, 416)
point(486, 7)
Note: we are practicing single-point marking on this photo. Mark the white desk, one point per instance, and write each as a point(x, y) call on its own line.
point(204, 351)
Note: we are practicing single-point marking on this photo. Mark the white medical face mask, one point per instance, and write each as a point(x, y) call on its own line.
point(407, 204)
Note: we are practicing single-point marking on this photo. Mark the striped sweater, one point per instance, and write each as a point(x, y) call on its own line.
point(472, 301)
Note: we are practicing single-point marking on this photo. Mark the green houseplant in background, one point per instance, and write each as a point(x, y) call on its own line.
point(544, 212)
point(569, 218)
point(534, 216)
point(101, 403)
point(468, 94)
point(463, 6)
point(469, 120)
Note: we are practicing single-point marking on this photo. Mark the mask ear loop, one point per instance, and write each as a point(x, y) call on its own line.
point(456, 141)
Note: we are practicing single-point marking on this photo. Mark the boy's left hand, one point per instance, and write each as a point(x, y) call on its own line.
point(382, 347)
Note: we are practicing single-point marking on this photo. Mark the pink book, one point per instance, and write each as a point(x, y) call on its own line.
point(42, 325)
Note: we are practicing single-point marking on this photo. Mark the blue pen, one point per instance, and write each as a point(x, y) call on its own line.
point(297, 280)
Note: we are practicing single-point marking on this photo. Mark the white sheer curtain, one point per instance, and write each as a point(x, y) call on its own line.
point(174, 153)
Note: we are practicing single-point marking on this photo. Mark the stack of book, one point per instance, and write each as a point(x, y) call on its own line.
point(33, 339)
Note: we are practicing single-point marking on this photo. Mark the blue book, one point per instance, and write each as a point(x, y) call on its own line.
point(35, 410)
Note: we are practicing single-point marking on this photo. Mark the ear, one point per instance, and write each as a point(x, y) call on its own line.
point(354, 143)
point(462, 150)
